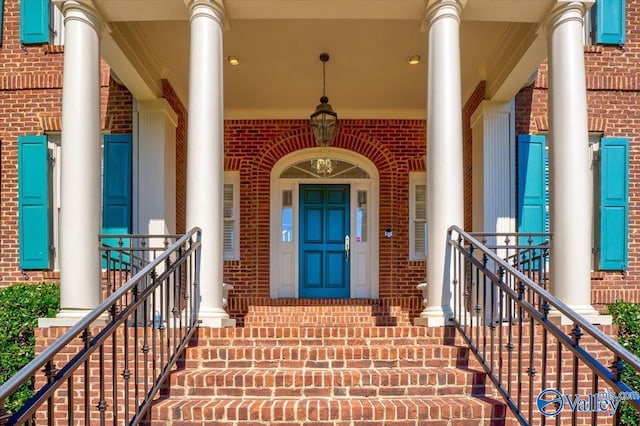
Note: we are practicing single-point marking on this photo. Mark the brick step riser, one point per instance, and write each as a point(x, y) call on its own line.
point(212, 347)
point(450, 410)
point(436, 335)
point(249, 356)
point(333, 383)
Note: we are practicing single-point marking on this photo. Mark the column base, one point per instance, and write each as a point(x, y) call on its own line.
point(215, 318)
point(69, 318)
point(588, 312)
point(434, 316)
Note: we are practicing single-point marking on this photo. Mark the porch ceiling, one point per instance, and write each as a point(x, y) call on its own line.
point(278, 43)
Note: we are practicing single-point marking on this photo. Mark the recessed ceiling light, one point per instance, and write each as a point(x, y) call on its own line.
point(414, 59)
point(233, 60)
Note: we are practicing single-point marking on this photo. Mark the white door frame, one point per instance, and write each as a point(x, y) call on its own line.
point(364, 254)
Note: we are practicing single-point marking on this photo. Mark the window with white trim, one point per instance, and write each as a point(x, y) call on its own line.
point(231, 215)
point(417, 216)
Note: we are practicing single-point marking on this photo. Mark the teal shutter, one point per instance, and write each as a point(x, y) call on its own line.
point(34, 21)
point(614, 203)
point(532, 184)
point(608, 21)
point(33, 202)
point(116, 195)
point(116, 185)
point(1, 19)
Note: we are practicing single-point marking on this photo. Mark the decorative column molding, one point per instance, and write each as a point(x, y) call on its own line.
point(205, 153)
point(156, 167)
point(571, 197)
point(80, 215)
point(444, 153)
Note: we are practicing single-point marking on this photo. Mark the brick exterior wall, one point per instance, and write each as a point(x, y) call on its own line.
point(396, 147)
point(613, 97)
point(181, 156)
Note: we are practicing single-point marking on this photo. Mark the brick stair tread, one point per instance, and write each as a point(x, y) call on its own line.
point(297, 409)
point(320, 332)
point(327, 383)
point(319, 356)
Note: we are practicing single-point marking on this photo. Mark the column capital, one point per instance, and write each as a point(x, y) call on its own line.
point(437, 9)
point(81, 10)
point(565, 11)
point(213, 9)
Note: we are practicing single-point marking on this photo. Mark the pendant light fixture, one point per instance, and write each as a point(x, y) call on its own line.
point(324, 121)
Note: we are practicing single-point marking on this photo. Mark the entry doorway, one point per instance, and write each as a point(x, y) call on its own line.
point(324, 245)
point(311, 214)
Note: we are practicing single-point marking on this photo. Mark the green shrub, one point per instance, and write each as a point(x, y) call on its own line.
point(20, 307)
point(627, 317)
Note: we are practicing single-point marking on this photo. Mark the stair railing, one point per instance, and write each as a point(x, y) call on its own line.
point(110, 366)
point(545, 371)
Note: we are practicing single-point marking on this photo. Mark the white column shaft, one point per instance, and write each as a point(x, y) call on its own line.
point(444, 152)
point(205, 165)
point(571, 199)
point(80, 196)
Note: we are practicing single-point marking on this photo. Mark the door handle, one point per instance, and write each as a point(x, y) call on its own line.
point(347, 247)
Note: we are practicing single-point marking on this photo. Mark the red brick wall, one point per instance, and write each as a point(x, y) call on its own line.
point(30, 103)
point(470, 107)
point(613, 96)
point(396, 147)
point(181, 155)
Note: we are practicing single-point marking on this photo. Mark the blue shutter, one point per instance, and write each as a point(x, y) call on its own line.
point(532, 184)
point(34, 21)
point(33, 202)
point(1, 19)
point(614, 203)
point(608, 21)
point(116, 185)
point(116, 194)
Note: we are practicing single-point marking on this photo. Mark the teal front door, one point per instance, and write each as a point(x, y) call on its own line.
point(324, 247)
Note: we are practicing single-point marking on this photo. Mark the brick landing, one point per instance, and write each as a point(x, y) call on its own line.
point(328, 365)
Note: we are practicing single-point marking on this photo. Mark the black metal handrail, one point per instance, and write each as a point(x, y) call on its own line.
point(124, 255)
point(111, 364)
point(528, 252)
point(546, 372)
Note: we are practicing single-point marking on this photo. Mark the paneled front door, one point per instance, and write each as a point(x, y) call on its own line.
point(324, 241)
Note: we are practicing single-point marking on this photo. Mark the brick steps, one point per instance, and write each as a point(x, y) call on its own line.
point(436, 411)
point(318, 356)
point(365, 382)
point(330, 315)
point(327, 365)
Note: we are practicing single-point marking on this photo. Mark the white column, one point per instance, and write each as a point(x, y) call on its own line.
point(205, 153)
point(80, 193)
point(444, 153)
point(156, 168)
point(571, 200)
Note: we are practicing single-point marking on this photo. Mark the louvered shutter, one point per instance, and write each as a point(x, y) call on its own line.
point(229, 223)
point(34, 21)
point(532, 185)
point(34, 222)
point(614, 203)
point(608, 22)
point(420, 227)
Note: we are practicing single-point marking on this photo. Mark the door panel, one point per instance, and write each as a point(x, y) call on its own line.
point(324, 224)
